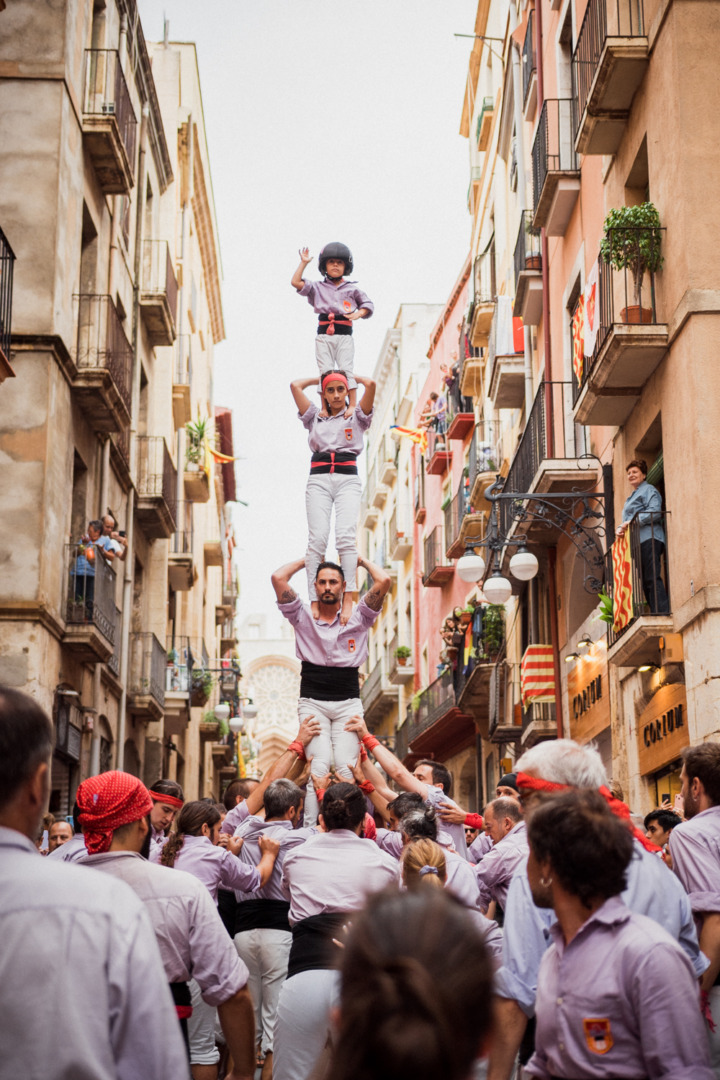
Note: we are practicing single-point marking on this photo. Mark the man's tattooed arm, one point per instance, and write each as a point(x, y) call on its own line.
point(374, 598)
point(281, 581)
point(288, 595)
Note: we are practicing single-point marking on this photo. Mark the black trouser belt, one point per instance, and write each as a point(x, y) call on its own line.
point(262, 915)
point(331, 461)
point(312, 947)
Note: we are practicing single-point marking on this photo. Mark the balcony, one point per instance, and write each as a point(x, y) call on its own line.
point(483, 303)
point(369, 514)
point(539, 723)
point(484, 123)
point(608, 65)
point(437, 725)
point(377, 694)
point(461, 414)
point(229, 599)
point(7, 261)
point(113, 664)
point(631, 339)
point(438, 456)
point(401, 539)
point(401, 669)
point(650, 615)
point(528, 272)
point(181, 563)
point(182, 378)
point(461, 523)
point(109, 123)
point(146, 680)
point(547, 460)
point(158, 292)
point(213, 553)
point(506, 358)
point(529, 70)
point(484, 463)
point(556, 173)
point(90, 610)
point(387, 460)
point(120, 457)
point(102, 364)
point(156, 488)
point(438, 569)
point(488, 647)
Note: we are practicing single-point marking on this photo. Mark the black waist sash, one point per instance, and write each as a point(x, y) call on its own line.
point(262, 915)
point(183, 1007)
point(331, 461)
point(334, 324)
point(329, 683)
point(312, 948)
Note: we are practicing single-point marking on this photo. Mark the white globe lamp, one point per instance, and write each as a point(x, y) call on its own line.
point(222, 711)
point(523, 565)
point(497, 589)
point(236, 724)
point(250, 711)
point(470, 567)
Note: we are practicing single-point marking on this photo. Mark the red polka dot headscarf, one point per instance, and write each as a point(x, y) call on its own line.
point(108, 801)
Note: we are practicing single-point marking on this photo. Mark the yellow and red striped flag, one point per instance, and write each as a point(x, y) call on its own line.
point(537, 674)
point(622, 582)
point(418, 435)
point(578, 338)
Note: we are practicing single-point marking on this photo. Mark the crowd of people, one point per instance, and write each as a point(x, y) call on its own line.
point(343, 917)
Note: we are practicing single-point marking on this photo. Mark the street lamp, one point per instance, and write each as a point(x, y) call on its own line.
point(470, 567)
point(222, 711)
point(497, 588)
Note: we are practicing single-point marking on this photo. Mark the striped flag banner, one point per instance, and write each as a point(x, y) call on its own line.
point(418, 435)
point(537, 674)
point(578, 338)
point(622, 582)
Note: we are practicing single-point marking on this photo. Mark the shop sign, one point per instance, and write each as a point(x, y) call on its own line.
point(662, 731)
point(589, 695)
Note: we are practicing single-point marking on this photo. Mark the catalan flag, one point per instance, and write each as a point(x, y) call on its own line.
point(622, 582)
point(578, 338)
point(418, 435)
point(537, 674)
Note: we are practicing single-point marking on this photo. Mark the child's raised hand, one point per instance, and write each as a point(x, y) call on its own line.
point(305, 255)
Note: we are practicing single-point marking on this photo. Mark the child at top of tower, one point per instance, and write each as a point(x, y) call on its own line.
point(337, 303)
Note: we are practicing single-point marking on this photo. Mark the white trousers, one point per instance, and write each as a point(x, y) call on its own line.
point(332, 745)
point(265, 953)
point(303, 1022)
point(201, 1029)
point(322, 494)
point(336, 353)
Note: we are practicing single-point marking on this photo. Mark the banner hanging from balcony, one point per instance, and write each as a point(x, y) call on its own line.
point(418, 435)
point(578, 338)
point(592, 311)
point(622, 582)
point(537, 674)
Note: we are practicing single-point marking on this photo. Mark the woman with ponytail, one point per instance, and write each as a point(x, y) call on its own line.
point(336, 441)
point(325, 879)
point(415, 990)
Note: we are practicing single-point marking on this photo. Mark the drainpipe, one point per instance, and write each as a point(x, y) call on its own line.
point(522, 180)
point(179, 438)
point(96, 686)
point(550, 434)
point(129, 563)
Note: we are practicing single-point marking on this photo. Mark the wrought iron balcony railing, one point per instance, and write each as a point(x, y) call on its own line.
point(438, 569)
point(102, 343)
point(90, 589)
point(106, 98)
point(157, 476)
point(7, 261)
point(554, 148)
point(528, 62)
point(528, 252)
point(649, 574)
point(147, 667)
point(602, 19)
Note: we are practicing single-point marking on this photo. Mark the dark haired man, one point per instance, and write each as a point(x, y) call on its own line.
point(505, 826)
point(659, 824)
point(238, 790)
point(644, 505)
point(331, 655)
point(695, 851)
point(103, 963)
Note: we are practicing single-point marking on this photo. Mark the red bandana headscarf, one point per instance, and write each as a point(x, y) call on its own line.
point(619, 809)
point(108, 801)
point(168, 800)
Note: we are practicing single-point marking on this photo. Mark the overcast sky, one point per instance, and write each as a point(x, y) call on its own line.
point(325, 121)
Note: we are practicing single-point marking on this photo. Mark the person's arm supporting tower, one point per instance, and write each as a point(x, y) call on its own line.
point(297, 389)
point(368, 398)
point(281, 581)
point(376, 593)
point(384, 757)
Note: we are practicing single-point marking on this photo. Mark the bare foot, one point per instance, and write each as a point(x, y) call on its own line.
point(348, 413)
point(347, 607)
point(315, 608)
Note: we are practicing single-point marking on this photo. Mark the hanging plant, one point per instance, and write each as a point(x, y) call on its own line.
point(605, 608)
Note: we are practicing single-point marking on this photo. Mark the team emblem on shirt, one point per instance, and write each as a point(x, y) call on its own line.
point(351, 644)
point(598, 1035)
point(348, 434)
point(347, 305)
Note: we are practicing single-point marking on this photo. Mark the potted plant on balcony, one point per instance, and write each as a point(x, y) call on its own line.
point(201, 685)
point(197, 432)
point(533, 259)
point(493, 632)
point(632, 242)
point(402, 654)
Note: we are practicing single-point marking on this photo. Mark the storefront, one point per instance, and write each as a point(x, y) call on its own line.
point(589, 702)
point(662, 734)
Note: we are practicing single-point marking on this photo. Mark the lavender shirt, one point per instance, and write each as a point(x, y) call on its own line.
point(193, 942)
point(327, 433)
point(289, 838)
point(216, 867)
point(330, 644)
point(479, 848)
point(75, 938)
point(495, 872)
point(460, 878)
point(326, 297)
point(334, 871)
point(622, 980)
point(73, 850)
point(695, 850)
point(235, 817)
point(434, 796)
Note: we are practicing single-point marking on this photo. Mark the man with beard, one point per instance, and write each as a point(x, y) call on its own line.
point(695, 851)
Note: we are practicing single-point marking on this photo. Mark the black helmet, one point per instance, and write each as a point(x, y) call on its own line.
point(335, 251)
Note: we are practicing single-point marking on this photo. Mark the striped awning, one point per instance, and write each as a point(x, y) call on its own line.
point(537, 674)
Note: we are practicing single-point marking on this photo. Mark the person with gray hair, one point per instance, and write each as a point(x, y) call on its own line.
point(543, 772)
point(422, 823)
point(505, 826)
point(262, 930)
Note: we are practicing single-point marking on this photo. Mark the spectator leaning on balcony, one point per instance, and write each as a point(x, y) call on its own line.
point(645, 505)
point(110, 529)
point(84, 569)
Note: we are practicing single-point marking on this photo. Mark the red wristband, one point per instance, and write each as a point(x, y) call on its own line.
point(320, 792)
point(363, 753)
point(474, 821)
point(296, 747)
point(369, 741)
point(367, 787)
